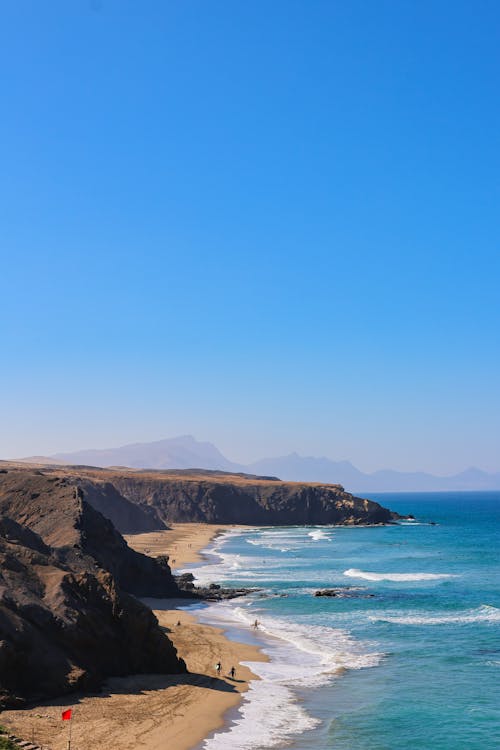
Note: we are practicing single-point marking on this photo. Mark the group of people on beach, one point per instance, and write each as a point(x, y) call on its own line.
point(218, 669)
point(232, 671)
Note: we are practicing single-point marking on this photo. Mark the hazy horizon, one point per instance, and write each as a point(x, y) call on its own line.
point(243, 461)
point(272, 226)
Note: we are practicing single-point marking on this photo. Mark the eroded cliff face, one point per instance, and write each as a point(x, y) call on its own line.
point(67, 619)
point(127, 517)
point(163, 497)
point(247, 501)
point(57, 509)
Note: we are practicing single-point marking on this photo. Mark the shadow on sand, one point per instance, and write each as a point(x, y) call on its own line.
point(145, 683)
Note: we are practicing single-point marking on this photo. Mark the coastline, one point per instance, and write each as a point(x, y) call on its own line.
point(183, 542)
point(148, 712)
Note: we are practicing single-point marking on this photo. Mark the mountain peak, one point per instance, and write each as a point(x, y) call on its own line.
point(186, 452)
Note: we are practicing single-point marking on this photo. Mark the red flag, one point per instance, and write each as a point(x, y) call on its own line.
point(66, 715)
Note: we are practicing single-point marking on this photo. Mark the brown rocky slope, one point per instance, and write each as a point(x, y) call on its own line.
point(67, 619)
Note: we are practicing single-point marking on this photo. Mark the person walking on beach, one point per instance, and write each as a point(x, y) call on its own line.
point(232, 673)
point(218, 668)
point(256, 625)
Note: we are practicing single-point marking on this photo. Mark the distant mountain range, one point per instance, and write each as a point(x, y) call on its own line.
point(185, 452)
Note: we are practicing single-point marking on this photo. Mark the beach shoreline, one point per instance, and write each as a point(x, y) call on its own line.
point(149, 712)
point(183, 542)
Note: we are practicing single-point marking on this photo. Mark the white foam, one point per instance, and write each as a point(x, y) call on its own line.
point(292, 531)
point(275, 546)
point(231, 567)
point(289, 539)
point(268, 717)
point(370, 576)
point(484, 613)
point(300, 656)
point(319, 536)
point(228, 567)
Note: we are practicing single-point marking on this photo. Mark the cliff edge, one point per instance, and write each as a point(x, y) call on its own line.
point(218, 497)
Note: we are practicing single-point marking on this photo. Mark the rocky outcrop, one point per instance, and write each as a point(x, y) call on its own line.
point(55, 508)
point(127, 517)
point(345, 592)
point(163, 497)
point(211, 593)
point(67, 617)
point(246, 500)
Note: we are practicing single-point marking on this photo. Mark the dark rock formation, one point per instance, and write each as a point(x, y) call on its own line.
point(55, 509)
point(163, 497)
point(344, 592)
point(243, 500)
point(211, 593)
point(127, 517)
point(66, 619)
point(219, 594)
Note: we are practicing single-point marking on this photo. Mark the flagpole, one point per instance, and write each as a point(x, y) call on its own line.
point(70, 726)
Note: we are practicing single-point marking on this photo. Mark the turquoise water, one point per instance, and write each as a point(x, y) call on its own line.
point(408, 658)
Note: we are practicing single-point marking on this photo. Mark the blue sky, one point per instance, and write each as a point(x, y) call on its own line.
point(273, 225)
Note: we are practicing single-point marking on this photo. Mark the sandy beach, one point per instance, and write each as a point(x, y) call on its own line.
point(151, 712)
point(182, 542)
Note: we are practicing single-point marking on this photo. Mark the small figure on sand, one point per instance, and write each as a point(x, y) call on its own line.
point(178, 623)
point(256, 625)
point(232, 673)
point(218, 668)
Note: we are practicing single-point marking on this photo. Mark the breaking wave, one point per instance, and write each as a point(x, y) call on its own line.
point(300, 656)
point(484, 613)
point(370, 576)
point(319, 536)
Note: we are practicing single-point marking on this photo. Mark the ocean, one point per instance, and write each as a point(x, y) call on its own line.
point(407, 655)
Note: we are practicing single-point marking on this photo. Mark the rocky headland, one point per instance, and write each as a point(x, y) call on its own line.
point(202, 496)
point(70, 614)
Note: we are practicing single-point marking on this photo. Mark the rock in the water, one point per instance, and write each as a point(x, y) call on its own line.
point(344, 592)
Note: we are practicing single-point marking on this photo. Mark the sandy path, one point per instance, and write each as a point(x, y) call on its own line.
point(153, 712)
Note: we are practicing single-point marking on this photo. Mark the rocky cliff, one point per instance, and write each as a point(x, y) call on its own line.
point(237, 499)
point(127, 517)
point(165, 497)
point(67, 617)
point(59, 510)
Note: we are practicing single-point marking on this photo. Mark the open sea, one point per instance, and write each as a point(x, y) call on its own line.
point(407, 656)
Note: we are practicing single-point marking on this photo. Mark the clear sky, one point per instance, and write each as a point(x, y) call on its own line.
point(271, 224)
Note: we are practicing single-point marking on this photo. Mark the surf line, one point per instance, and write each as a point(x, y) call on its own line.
point(372, 576)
